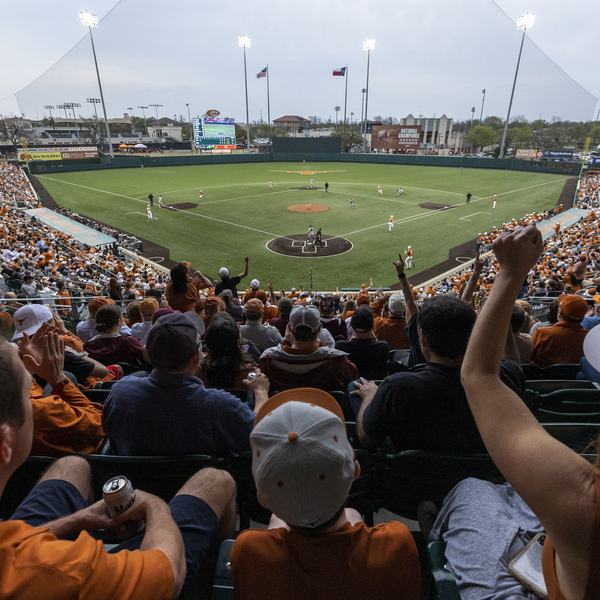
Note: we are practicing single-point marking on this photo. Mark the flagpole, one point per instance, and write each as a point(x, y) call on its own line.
point(345, 105)
point(268, 103)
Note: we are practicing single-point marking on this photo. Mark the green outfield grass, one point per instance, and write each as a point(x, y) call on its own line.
point(239, 214)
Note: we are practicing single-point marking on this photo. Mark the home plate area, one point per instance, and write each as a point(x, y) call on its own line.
point(298, 245)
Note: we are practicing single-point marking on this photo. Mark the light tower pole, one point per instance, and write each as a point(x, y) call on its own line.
point(522, 23)
point(244, 41)
point(368, 45)
point(191, 131)
point(90, 21)
point(144, 108)
point(49, 108)
point(95, 101)
point(482, 103)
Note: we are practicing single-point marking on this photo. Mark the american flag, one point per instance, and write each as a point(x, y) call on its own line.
point(263, 73)
point(339, 72)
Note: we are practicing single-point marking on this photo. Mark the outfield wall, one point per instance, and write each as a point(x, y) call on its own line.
point(131, 162)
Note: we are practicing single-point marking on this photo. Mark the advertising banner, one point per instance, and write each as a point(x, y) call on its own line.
point(527, 153)
point(396, 137)
point(65, 153)
point(550, 154)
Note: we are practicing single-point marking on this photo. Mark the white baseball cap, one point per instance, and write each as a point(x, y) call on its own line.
point(255, 284)
point(28, 319)
point(302, 462)
point(223, 272)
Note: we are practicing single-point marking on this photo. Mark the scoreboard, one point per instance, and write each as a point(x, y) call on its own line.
point(214, 133)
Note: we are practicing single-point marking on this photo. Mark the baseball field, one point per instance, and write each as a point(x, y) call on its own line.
point(241, 215)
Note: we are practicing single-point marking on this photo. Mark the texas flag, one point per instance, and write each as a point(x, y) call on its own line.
point(263, 73)
point(339, 72)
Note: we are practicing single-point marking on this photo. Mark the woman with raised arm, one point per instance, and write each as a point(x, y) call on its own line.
point(559, 486)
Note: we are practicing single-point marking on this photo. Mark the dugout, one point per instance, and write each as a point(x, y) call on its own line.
point(307, 145)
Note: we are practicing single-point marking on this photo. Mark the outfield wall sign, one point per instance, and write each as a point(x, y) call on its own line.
point(26, 154)
point(527, 153)
point(213, 132)
point(395, 137)
point(566, 154)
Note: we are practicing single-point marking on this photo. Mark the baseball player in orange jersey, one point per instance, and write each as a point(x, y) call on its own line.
point(379, 190)
point(200, 195)
point(495, 200)
point(391, 223)
point(149, 212)
point(409, 258)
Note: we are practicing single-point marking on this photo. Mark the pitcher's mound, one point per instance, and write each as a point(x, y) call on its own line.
point(297, 245)
point(434, 206)
point(309, 208)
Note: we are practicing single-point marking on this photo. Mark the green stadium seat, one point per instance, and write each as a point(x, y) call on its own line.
point(401, 481)
point(566, 371)
point(222, 584)
point(578, 436)
point(97, 395)
point(552, 416)
point(444, 585)
point(545, 386)
point(162, 476)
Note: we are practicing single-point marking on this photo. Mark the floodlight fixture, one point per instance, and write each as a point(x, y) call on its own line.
point(88, 20)
point(244, 41)
point(525, 21)
point(369, 44)
point(156, 107)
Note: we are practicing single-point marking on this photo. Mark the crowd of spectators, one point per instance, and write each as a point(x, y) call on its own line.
point(191, 362)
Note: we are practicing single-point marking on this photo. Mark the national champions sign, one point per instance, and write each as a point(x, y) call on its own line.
point(396, 137)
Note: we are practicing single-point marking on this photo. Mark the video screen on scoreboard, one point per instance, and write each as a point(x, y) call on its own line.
point(214, 132)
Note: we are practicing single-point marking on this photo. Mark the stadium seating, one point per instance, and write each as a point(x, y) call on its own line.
point(553, 372)
point(401, 481)
point(545, 386)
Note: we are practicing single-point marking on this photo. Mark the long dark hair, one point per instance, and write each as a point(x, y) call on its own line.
point(179, 278)
point(114, 289)
point(107, 317)
point(224, 354)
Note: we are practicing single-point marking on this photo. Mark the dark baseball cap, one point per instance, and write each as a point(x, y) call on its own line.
point(362, 319)
point(172, 342)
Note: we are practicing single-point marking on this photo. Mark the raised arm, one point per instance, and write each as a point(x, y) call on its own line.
point(411, 306)
point(557, 484)
point(471, 286)
point(242, 275)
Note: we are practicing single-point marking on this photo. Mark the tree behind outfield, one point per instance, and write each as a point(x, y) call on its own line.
point(481, 136)
point(241, 136)
point(353, 137)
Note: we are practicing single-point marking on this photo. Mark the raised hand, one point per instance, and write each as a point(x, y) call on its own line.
point(518, 250)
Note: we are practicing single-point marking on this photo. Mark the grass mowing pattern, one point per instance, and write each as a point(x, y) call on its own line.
point(239, 214)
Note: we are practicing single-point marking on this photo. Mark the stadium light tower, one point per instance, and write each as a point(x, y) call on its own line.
point(88, 20)
point(156, 107)
point(73, 106)
point(191, 131)
point(368, 45)
point(522, 23)
point(244, 41)
point(144, 108)
point(49, 108)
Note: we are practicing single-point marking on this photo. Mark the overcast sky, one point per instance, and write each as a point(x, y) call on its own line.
point(431, 57)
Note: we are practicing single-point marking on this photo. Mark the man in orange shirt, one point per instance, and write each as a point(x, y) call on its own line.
point(304, 466)
point(563, 342)
point(46, 541)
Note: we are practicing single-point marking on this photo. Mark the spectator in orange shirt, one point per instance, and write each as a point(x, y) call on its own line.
point(29, 540)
